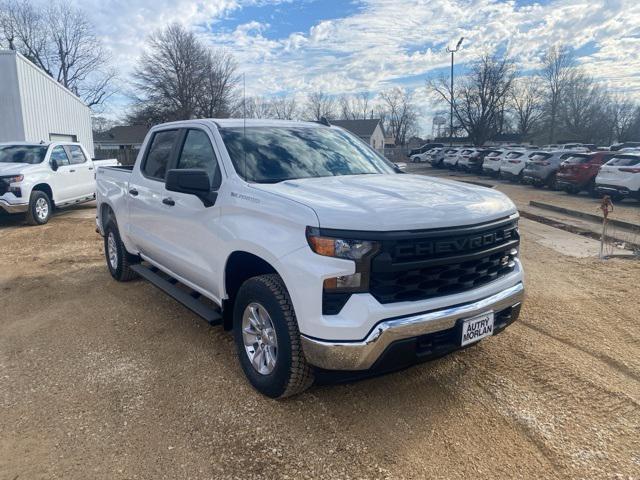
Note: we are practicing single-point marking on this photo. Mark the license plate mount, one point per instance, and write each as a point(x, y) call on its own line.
point(476, 328)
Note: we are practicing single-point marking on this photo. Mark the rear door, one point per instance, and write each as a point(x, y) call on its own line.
point(146, 192)
point(82, 170)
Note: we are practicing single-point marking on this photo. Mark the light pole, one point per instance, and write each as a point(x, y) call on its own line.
point(452, 51)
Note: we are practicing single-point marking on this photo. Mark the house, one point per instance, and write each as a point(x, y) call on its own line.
point(121, 137)
point(36, 108)
point(369, 130)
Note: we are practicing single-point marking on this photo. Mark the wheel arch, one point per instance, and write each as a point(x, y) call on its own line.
point(239, 267)
point(46, 188)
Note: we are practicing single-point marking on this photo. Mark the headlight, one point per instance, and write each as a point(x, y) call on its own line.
point(360, 251)
point(12, 179)
point(340, 248)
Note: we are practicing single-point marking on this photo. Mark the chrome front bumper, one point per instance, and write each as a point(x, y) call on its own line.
point(361, 355)
point(13, 207)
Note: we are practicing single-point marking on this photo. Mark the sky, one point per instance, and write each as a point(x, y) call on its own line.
point(349, 46)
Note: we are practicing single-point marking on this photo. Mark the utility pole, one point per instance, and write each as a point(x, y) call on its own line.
point(452, 51)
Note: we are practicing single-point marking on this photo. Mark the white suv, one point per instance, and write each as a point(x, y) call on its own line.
point(620, 176)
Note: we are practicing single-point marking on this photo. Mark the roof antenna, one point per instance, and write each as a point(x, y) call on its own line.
point(244, 123)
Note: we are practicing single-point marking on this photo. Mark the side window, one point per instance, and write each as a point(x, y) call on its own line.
point(77, 155)
point(197, 152)
point(159, 154)
point(60, 156)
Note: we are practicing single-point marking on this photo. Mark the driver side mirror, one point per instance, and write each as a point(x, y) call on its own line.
point(192, 181)
point(54, 164)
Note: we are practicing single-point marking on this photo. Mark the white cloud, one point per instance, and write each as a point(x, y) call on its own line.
point(387, 42)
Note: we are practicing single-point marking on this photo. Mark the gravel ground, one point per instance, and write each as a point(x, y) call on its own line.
point(105, 380)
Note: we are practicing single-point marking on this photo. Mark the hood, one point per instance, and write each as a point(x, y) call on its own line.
point(393, 202)
point(12, 168)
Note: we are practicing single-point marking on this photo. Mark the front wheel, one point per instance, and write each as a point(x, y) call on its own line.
point(40, 208)
point(268, 340)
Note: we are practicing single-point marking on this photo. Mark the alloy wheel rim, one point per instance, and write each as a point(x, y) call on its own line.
point(42, 208)
point(260, 339)
point(112, 251)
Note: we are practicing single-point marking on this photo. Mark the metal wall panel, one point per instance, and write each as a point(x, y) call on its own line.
point(50, 109)
point(11, 125)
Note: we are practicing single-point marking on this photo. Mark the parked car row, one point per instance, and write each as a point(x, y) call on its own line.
point(573, 168)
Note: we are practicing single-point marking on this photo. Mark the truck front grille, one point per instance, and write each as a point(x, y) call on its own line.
point(434, 263)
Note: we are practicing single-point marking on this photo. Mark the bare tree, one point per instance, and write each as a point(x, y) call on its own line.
point(480, 96)
point(400, 117)
point(585, 110)
point(623, 113)
point(258, 107)
point(355, 107)
point(318, 105)
point(61, 41)
point(220, 85)
point(284, 107)
point(526, 103)
point(556, 73)
point(180, 78)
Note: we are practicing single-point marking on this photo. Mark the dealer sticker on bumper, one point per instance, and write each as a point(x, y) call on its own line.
point(476, 328)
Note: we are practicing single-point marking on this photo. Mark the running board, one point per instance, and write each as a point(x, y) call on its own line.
point(189, 300)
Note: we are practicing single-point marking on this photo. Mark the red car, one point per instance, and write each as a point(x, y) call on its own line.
point(578, 172)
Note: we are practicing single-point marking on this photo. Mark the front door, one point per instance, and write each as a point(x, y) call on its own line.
point(175, 230)
point(85, 184)
point(191, 229)
point(64, 178)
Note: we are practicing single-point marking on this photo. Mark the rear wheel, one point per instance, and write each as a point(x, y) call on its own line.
point(591, 189)
point(268, 340)
point(552, 182)
point(119, 261)
point(40, 208)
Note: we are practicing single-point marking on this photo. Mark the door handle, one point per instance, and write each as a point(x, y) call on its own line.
point(71, 171)
point(133, 192)
point(168, 201)
point(90, 168)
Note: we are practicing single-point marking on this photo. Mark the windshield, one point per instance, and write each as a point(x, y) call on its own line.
point(275, 154)
point(22, 153)
point(494, 154)
point(514, 154)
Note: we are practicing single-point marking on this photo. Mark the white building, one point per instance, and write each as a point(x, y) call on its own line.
point(34, 107)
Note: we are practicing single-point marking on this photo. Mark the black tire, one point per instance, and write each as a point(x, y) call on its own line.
point(40, 208)
point(552, 182)
point(120, 268)
point(291, 374)
point(591, 189)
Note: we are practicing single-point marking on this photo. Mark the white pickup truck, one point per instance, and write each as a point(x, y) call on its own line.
point(35, 178)
point(312, 248)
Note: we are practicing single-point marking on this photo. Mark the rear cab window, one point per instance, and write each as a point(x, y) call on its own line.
point(76, 155)
point(159, 154)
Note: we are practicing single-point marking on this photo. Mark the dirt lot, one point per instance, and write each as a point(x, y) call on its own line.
point(106, 380)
